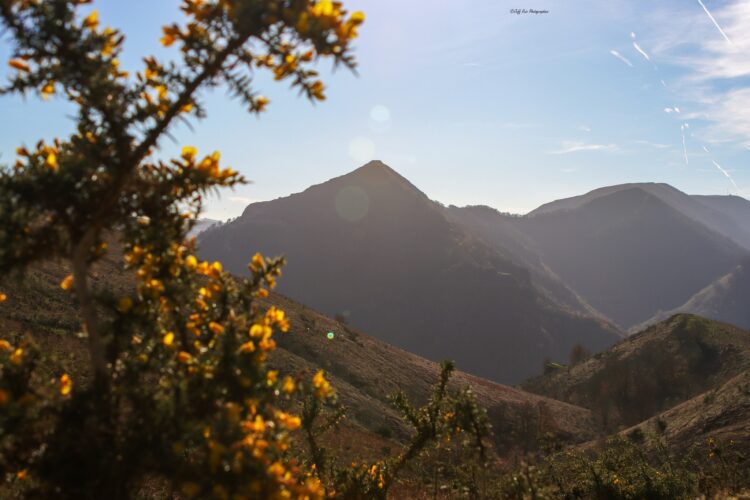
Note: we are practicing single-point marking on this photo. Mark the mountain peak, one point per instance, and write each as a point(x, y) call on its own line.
point(376, 174)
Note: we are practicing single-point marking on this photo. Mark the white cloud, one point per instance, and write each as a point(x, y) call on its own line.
point(621, 57)
point(577, 146)
point(242, 199)
point(713, 49)
point(656, 145)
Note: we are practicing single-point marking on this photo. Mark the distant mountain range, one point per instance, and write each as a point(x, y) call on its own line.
point(497, 293)
point(370, 247)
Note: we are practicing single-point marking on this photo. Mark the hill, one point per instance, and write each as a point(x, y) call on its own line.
point(721, 413)
point(370, 247)
point(726, 299)
point(628, 252)
point(651, 371)
point(364, 370)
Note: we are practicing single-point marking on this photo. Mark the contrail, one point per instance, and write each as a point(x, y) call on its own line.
point(621, 57)
point(638, 47)
point(684, 147)
point(716, 24)
point(726, 174)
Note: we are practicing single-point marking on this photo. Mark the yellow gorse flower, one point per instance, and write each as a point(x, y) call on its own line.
point(92, 21)
point(66, 384)
point(51, 161)
point(67, 282)
point(168, 339)
point(321, 385)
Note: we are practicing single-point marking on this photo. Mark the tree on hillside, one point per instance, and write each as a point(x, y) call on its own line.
point(176, 391)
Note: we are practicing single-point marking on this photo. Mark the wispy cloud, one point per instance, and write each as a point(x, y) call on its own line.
point(242, 199)
point(656, 145)
point(577, 146)
point(621, 57)
point(713, 49)
point(638, 47)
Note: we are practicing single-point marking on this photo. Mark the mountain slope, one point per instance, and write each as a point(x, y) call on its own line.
point(629, 253)
point(726, 215)
point(501, 231)
point(726, 299)
point(364, 370)
point(651, 371)
point(721, 413)
point(371, 247)
point(735, 208)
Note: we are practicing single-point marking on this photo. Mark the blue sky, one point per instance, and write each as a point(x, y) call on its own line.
point(476, 105)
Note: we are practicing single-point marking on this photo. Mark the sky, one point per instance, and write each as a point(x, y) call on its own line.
point(475, 103)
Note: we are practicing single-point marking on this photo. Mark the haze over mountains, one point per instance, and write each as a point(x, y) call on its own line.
point(496, 293)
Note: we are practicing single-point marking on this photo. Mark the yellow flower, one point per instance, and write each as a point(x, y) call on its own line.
point(188, 153)
point(288, 385)
point(66, 384)
point(260, 331)
point(316, 89)
point(216, 328)
point(261, 102)
point(291, 422)
point(357, 17)
point(247, 347)
point(321, 385)
point(257, 263)
point(67, 282)
point(3, 297)
point(187, 108)
point(124, 304)
point(170, 35)
point(17, 357)
point(184, 357)
point(22, 474)
point(168, 339)
point(51, 161)
point(272, 376)
point(18, 64)
point(191, 262)
point(48, 90)
point(5, 345)
point(276, 469)
point(92, 21)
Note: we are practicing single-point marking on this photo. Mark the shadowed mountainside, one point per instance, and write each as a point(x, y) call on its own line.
point(727, 215)
point(627, 252)
point(726, 299)
point(371, 247)
point(651, 371)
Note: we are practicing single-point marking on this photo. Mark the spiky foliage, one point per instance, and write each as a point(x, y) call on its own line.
point(177, 388)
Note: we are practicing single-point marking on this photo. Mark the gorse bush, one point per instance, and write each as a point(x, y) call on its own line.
point(177, 393)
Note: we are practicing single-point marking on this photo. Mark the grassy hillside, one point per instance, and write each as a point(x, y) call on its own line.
point(651, 371)
point(364, 370)
point(721, 414)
